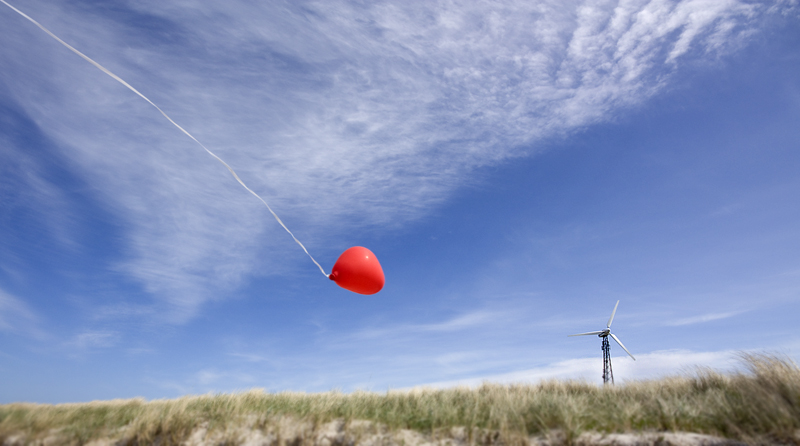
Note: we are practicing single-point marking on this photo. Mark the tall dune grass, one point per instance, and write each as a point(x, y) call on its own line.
point(760, 404)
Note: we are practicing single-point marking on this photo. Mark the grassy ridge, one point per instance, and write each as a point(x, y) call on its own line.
point(760, 404)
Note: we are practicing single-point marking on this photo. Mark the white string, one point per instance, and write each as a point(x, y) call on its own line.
point(118, 79)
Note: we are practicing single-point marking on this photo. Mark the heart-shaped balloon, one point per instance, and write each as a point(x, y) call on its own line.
point(359, 271)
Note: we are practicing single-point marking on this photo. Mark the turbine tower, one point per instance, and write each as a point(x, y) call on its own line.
point(608, 374)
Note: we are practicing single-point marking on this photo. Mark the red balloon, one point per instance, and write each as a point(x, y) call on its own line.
point(359, 271)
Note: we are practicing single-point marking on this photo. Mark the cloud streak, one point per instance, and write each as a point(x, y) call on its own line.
point(466, 321)
point(703, 318)
point(94, 339)
point(341, 114)
point(18, 318)
point(648, 366)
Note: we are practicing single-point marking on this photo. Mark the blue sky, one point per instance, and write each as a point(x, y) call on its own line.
point(516, 166)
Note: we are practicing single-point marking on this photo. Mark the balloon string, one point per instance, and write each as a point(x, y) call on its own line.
point(118, 79)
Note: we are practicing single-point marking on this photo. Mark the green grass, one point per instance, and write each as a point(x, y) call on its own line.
point(759, 405)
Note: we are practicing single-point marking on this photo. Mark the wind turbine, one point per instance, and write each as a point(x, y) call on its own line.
point(608, 374)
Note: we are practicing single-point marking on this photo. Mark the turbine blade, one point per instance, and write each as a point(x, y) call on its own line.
point(612, 315)
point(586, 334)
point(623, 347)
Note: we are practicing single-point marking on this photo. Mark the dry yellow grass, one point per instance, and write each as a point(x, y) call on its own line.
point(759, 405)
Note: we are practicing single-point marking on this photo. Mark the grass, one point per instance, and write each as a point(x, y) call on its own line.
point(758, 405)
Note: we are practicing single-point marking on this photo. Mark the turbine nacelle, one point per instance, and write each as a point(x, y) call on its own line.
point(607, 332)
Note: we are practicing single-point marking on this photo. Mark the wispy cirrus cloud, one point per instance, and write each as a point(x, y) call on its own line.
point(91, 339)
point(338, 113)
point(703, 318)
point(648, 366)
point(17, 317)
point(462, 322)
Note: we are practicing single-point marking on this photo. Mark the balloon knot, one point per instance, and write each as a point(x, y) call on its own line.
point(332, 276)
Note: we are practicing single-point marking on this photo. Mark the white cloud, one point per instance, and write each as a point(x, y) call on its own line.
point(17, 317)
point(25, 178)
point(390, 355)
point(118, 311)
point(703, 318)
point(250, 357)
point(94, 339)
point(461, 322)
point(342, 115)
point(647, 366)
